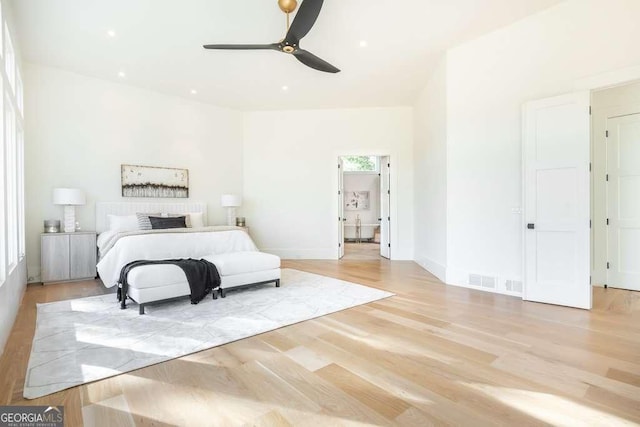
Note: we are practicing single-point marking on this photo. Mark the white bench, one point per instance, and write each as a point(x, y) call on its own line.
point(162, 282)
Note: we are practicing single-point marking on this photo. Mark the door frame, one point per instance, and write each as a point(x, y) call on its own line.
point(599, 237)
point(341, 218)
point(393, 183)
point(611, 231)
point(385, 178)
point(608, 80)
point(594, 83)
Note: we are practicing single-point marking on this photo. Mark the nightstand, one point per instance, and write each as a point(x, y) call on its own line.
point(68, 256)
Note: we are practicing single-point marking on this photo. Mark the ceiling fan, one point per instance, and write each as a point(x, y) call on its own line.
point(301, 25)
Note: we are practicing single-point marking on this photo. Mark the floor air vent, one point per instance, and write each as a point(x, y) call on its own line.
point(482, 281)
point(513, 285)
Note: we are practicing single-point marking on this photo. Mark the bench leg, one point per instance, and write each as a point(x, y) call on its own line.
point(277, 283)
point(141, 308)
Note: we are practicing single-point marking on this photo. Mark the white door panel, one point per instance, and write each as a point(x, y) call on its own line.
point(385, 207)
point(340, 208)
point(556, 155)
point(623, 202)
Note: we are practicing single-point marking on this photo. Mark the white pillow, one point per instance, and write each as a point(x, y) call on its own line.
point(196, 219)
point(123, 222)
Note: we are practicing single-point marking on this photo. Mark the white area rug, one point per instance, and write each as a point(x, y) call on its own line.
point(88, 339)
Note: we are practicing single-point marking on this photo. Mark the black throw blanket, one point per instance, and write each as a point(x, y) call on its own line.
point(201, 274)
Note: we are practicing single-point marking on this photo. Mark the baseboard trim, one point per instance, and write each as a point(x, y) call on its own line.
point(433, 267)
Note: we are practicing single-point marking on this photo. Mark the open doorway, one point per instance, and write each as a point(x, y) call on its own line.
point(581, 162)
point(616, 186)
point(364, 207)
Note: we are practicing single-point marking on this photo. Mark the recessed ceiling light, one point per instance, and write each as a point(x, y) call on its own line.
point(122, 74)
point(363, 43)
point(285, 88)
point(111, 33)
point(194, 92)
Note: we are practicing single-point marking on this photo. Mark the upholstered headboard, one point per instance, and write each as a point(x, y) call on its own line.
point(131, 208)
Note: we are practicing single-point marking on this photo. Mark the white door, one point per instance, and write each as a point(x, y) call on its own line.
point(341, 218)
point(623, 202)
point(385, 205)
point(556, 155)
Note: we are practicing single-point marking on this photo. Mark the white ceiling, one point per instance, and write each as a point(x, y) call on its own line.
point(158, 44)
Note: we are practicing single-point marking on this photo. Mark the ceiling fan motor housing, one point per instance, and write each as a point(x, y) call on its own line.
point(287, 6)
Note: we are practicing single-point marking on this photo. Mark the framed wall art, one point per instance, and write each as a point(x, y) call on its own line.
point(356, 200)
point(151, 181)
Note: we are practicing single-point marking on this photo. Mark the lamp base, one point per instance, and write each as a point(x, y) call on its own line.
point(69, 219)
point(231, 216)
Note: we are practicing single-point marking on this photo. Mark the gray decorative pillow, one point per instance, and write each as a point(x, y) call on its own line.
point(143, 220)
point(158, 222)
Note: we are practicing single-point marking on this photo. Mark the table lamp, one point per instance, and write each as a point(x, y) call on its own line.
point(231, 202)
point(69, 198)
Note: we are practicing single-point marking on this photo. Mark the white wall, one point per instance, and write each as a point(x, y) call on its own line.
point(79, 131)
point(488, 80)
point(430, 166)
point(605, 103)
point(363, 182)
point(291, 175)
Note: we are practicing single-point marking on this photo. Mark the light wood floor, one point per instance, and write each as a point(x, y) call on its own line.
point(361, 251)
point(430, 355)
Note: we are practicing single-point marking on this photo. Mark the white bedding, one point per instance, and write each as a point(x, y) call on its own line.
point(103, 238)
point(153, 246)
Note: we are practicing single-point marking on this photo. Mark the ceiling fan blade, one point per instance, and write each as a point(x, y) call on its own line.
point(310, 60)
point(273, 46)
point(304, 20)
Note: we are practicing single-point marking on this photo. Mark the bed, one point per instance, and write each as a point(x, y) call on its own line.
point(119, 247)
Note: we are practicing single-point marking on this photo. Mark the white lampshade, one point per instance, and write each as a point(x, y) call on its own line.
point(68, 196)
point(230, 200)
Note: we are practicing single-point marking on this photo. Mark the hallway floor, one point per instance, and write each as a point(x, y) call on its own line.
point(362, 251)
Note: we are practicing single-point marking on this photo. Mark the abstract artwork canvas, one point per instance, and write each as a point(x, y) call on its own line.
point(356, 200)
point(151, 181)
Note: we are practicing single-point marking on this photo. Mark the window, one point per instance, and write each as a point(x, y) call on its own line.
point(22, 246)
point(11, 168)
point(3, 177)
point(360, 163)
point(1, 31)
point(9, 58)
point(19, 93)
point(12, 179)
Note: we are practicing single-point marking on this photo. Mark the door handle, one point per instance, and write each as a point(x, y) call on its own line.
point(531, 226)
point(344, 219)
